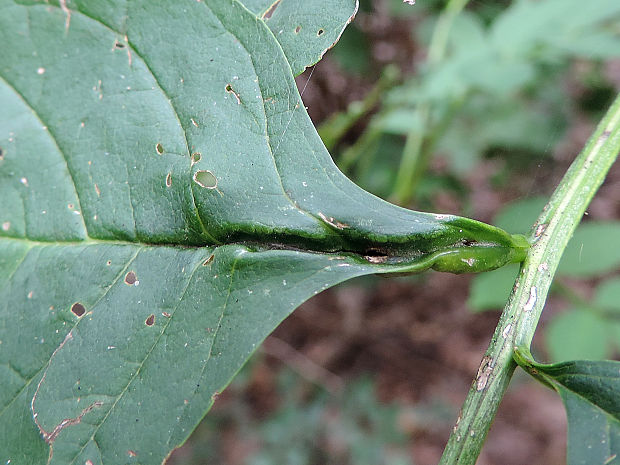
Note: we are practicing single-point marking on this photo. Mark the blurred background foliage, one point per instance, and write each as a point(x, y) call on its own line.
point(473, 108)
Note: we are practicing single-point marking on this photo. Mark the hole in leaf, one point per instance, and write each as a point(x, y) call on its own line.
point(320, 32)
point(269, 13)
point(109, 262)
point(131, 279)
point(230, 90)
point(119, 45)
point(166, 314)
point(78, 309)
point(159, 148)
point(196, 156)
point(206, 179)
point(297, 29)
point(150, 320)
point(1, 154)
point(168, 180)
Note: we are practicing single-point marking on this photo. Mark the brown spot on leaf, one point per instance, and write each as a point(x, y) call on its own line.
point(131, 453)
point(297, 29)
point(168, 180)
point(6, 225)
point(1, 154)
point(208, 260)
point(166, 314)
point(78, 309)
point(131, 279)
point(150, 320)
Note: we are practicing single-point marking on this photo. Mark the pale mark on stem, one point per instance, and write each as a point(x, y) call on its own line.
point(506, 330)
point(529, 305)
point(484, 372)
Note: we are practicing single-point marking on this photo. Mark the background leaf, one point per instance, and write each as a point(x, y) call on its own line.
point(593, 250)
point(578, 333)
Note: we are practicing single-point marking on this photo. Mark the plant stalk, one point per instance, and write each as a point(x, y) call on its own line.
point(549, 236)
point(416, 154)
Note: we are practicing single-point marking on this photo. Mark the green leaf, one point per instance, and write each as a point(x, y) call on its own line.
point(607, 294)
point(489, 291)
point(305, 29)
point(590, 391)
point(166, 202)
point(578, 334)
point(520, 215)
point(607, 298)
point(593, 250)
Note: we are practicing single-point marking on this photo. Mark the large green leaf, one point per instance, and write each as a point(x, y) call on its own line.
point(305, 29)
point(589, 390)
point(165, 203)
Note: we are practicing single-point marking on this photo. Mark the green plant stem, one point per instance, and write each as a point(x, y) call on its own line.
point(416, 154)
point(518, 321)
point(336, 126)
point(365, 144)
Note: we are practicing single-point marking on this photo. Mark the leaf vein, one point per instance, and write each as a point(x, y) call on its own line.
point(54, 140)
